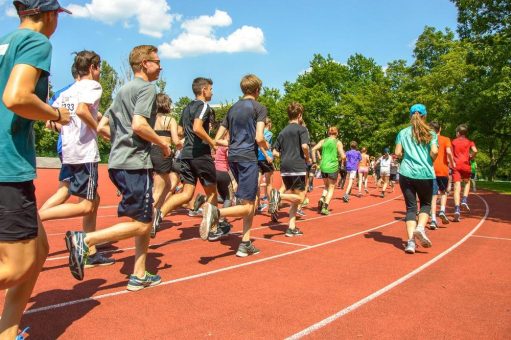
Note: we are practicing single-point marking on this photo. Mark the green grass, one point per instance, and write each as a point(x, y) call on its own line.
point(501, 187)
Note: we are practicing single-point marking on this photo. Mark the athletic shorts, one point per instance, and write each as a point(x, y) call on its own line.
point(83, 181)
point(246, 174)
point(352, 174)
point(18, 211)
point(176, 166)
point(440, 184)
point(65, 174)
point(393, 177)
point(294, 182)
point(265, 167)
point(472, 175)
point(332, 176)
point(460, 175)
point(384, 172)
point(363, 170)
point(161, 164)
point(136, 188)
point(202, 169)
point(223, 180)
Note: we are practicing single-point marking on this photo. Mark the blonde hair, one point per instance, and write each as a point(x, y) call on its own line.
point(420, 130)
point(139, 54)
point(250, 84)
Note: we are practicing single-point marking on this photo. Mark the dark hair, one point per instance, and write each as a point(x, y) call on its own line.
point(364, 149)
point(163, 103)
point(200, 83)
point(462, 129)
point(84, 60)
point(353, 144)
point(435, 125)
point(74, 72)
point(294, 110)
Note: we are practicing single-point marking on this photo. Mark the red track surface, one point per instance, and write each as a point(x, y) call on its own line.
point(347, 277)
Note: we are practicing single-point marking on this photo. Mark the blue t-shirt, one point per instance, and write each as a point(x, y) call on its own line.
point(17, 141)
point(268, 135)
point(417, 162)
point(50, 101)
point(353, 157)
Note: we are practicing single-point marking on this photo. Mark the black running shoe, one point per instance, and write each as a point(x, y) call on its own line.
point(78, 252)
point(199, 201)
point(156, 223)
point(293, 232)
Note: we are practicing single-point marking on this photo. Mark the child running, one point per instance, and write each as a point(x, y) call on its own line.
point(463, 150)
point(384, 164)
point(363, 171)
point(292, 146)
point(331, 152)
point(245, 122)
point(353, 158)
point(419, 146)
point(265, 162)
point(441, 166)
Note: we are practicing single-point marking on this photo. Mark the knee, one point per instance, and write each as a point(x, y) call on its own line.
point(14, 273)
point(88, 206)
point(144, 228)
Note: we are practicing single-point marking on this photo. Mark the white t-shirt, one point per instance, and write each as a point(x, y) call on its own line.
point(79, 142)
point(385, 165)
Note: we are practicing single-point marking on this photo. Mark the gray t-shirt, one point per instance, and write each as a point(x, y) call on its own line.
point(129, 151)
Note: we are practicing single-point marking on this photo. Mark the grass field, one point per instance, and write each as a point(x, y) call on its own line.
point(502, 187)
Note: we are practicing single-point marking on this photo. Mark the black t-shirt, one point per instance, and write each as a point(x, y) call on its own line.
point(289, 144)
point(241, 121)
point(194, 147)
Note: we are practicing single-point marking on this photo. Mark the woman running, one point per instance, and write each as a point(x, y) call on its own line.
point(384, 164)
point(419, 146)
point(363, 171)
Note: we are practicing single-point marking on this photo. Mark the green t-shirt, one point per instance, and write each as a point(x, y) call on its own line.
point(329, 160)
point(17, 142)
point(129, 151)
point(417, 162)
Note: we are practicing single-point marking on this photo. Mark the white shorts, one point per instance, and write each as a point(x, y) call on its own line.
point(353, 174)
point(384, 172)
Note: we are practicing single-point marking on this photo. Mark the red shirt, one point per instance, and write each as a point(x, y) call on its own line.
point(461, 153)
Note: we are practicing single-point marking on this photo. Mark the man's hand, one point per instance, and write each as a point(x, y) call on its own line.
point(64, 116)
point(165, 148)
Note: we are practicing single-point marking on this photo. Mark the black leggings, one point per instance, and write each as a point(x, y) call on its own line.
point(413, 188)
point(223, 180)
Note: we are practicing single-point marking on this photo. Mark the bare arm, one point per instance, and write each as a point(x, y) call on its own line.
point(473, 150)
point(220, 133)
point(434, 151)
point(19, 96)
point(198, 129)
point(142, 129)
point(450, 157)
point(315, 149)
point(261, 142)
point(104, 128)
point(398, 151)
point(340, 150)
point(305, 149)
point(83, 112)
point(174, 135)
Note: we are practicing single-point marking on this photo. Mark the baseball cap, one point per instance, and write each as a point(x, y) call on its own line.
point(386, 150)
point(421, 108)
point(38, 6)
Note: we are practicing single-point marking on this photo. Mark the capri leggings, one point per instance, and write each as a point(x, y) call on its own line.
point(223, 180)
point(413, 188)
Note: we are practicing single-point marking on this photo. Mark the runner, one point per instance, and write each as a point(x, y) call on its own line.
point(353, 158)
point(418, 146)
point(80, 153)
point(128, 123)
point(25, 58)
point(473, 174)
point(245, 122)
point(265, 163)
point(441, 165)
point(342, 174)
point(363, 171)
point(383, 164)
point(463, 150)
point(292, 146)
point(331, 152)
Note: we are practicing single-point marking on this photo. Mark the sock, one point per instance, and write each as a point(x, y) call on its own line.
point(246, 243)
point(456, 208)
point(442, 208)
point(420, 226)
point(325, 206)
point(433, 217)
point(464, 199)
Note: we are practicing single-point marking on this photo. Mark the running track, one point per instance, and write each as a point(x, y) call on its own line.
point(347, 277)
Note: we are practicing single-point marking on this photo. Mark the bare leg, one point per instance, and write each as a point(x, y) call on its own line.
point(59, 197)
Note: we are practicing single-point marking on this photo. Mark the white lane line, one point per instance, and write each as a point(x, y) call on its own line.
point(492, 237)
point(204, 274)
point(385, 289)
point(235, 233)
point(283, 242)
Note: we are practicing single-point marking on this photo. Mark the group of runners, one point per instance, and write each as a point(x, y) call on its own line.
point(151, 153)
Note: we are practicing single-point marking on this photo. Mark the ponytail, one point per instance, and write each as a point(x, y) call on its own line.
point(420, 130)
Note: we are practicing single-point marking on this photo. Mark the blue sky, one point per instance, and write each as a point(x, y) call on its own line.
point(224, 40)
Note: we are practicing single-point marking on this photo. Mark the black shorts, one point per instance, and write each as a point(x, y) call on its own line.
point(294, 182)
point(393, 177)
point(18, 211)
point(265, 167)
point(83, 181)
point(202, 169)
point(65, 174)
point(246, 175)
point(161, 164)
point(332, 176)
point(223, 180)
point(176, 166)
point(136, 188)
point(440, 184)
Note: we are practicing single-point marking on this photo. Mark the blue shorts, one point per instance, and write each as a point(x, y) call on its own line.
point(136, 187)
point(246, 175)
point(83, 179)
point(440, 184)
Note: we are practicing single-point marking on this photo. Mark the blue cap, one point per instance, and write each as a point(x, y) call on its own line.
point(386, 150)
point(38, 6)
point(421, 108)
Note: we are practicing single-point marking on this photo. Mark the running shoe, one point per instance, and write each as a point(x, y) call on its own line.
point(156, 223)
point(420, 234)
point(382, 195)
point(305, 202)
point(22, 335)
point(199, 201)
point(410, 247)
point(274, 201)
point(262, 207)
point(193, 213)
point(209, 220)
point(321, 202)
point(310, 188)
point(359, 194)
point(78, 252)
point(136, 283)
point(223, 229)
point(293, 232)
point(433, 225)
point(443, 217)
point(366, 191)
point(98, 260)
point(300, 213)
point(465, 206)
point(246, 249)
point(325, 211)
point(346, 198)
point(457, 216)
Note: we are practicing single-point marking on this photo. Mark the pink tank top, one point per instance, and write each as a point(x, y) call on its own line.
point(221, 163)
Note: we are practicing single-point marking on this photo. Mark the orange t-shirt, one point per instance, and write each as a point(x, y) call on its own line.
point(441, 163)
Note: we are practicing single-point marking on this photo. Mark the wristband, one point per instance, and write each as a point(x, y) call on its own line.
point(58, 111)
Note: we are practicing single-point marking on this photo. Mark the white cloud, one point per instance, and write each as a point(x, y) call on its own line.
point(11, 12)
point(153, 16)
point(199, 38)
